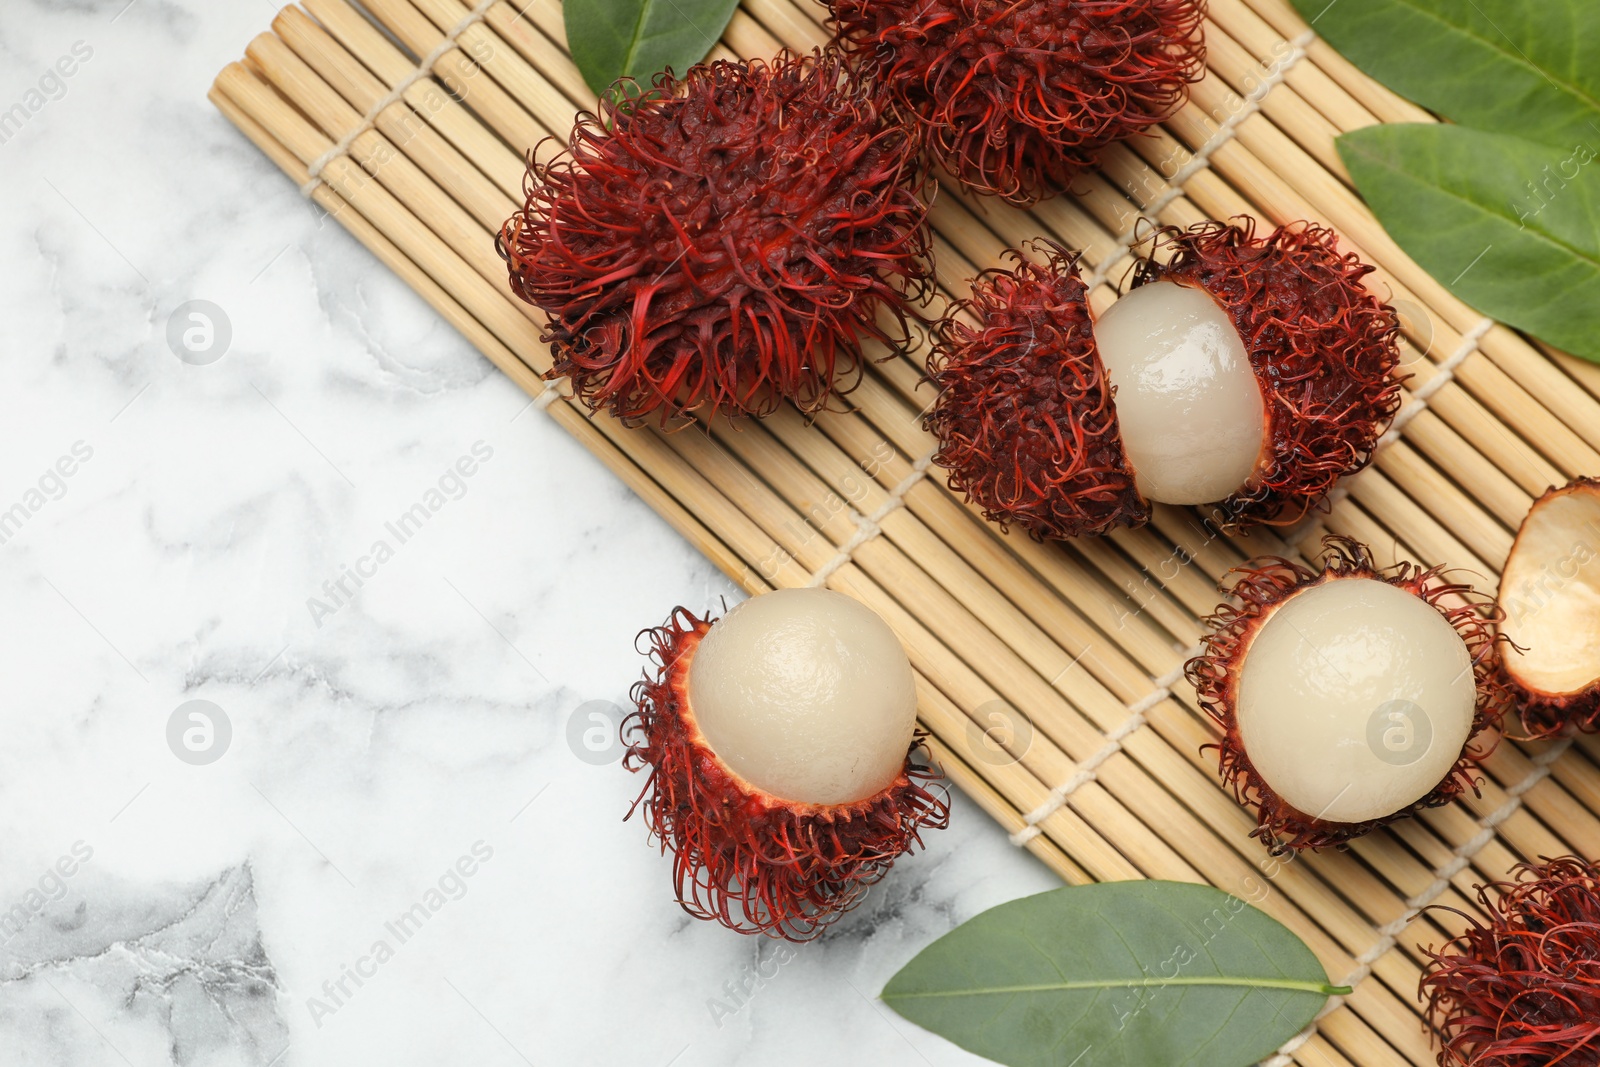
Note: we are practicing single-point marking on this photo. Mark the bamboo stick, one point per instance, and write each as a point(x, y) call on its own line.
point(1543, 380)
point(444, 15)
point(1013, 642)
point(423, 142)
point(349, 29)
point(1383, 103)
point(632, 474)
point(1483, 536)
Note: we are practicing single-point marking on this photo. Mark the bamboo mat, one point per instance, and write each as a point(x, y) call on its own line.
point(408, 122)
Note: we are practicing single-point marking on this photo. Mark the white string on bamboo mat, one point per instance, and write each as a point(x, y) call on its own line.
point(1461, 858)
point(552, 393)
point(423, 70)
point(867, 526)
point(1444, 374)
point(1249, 105)
point(1138, 713)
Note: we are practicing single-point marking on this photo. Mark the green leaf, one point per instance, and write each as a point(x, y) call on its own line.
point(1504, 208)
point(1524, 67)
point(1511, 227)
point(613, 39)
point(1122, 974)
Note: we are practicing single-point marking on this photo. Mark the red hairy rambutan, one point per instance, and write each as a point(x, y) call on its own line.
point(1015, 97)
point(1348, 696)
point(1521, 986)
point(725, 241)
point(1550, 597)
point(742, 855)
point(1025, 422)
point(1250, 373)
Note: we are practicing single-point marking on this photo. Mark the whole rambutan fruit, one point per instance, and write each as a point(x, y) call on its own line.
point(1348, 696)
point(779, 741)
point(1521, 986)
point(1250, 373)
point(1550, 597)
point(1015, 97)
point(725, 241)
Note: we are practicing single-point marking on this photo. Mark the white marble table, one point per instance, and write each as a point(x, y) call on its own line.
point(163, 525)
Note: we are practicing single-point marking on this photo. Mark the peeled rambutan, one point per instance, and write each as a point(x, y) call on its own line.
point(1550, 597)
point(780, 742)
point(1521, 986)
point(1348, 696)
point(725, 241)
point(1015, 97)
point(1250, 373)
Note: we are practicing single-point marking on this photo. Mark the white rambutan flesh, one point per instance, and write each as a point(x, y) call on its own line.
point(1190, 408)
point(807, 695)
point(1355, 700)
point(1550, 593)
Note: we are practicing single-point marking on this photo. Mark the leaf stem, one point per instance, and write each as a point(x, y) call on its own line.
point(1325, 988)
point(633, 41)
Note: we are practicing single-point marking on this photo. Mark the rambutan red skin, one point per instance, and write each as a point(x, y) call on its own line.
point(1259, 588)
point(1521, 986)
point(742, 857)
point(1024, 417)
point(1015, 97)
point(1323, 349)
point(724, 242)
point(1545, 716)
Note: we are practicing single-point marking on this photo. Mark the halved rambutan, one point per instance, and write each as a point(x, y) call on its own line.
point(725, 241)
point(1015, 97)
point(1348, 696)
point(1550, 597)
point(1250, 373)
point(780, 743)
point(1521, 986)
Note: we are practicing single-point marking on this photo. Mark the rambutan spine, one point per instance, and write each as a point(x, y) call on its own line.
point(1024, 417)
